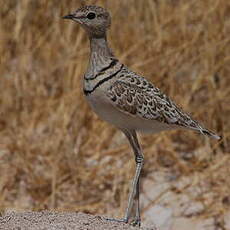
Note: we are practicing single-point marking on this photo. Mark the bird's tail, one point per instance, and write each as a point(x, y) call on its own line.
point(210, 134)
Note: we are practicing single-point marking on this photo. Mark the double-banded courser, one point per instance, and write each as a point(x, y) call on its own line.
point(124, 98)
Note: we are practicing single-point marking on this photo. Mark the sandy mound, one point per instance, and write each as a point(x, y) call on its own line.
point(58, 221)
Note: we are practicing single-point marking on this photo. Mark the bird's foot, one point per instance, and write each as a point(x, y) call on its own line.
point(135, 222)
point(123, 220)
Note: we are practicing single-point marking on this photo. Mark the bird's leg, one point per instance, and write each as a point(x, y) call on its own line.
point(136, 206)
point(134, 193)
point(137, 214)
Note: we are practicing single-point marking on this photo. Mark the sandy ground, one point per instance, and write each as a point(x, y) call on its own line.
point(59, 221)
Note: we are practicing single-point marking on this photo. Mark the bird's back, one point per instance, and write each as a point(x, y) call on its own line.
point(134, 95)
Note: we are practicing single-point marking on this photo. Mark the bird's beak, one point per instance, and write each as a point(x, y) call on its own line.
point(69, 16)
point(77, 16)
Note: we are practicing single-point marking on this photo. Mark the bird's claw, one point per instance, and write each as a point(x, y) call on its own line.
point(123, 220)
point(135, 222)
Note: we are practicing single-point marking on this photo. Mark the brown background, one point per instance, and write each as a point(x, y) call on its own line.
point(55, 153)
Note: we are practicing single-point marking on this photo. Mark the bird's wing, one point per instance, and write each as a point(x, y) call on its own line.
point(135, 96)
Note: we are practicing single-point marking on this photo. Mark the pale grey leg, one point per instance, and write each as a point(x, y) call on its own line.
point(134, 193)
point(137, 219)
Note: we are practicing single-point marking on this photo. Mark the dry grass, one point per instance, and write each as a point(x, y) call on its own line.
point(56, 154)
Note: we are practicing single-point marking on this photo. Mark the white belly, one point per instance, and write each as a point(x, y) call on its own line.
point(108, 112)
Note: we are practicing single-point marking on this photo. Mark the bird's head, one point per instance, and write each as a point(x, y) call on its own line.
point(94, 19)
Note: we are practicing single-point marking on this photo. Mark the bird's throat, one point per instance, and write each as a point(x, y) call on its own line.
point(100, 55)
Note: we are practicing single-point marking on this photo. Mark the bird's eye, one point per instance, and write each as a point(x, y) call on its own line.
point(91, 15)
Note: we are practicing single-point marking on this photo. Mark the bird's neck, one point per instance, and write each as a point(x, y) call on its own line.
point(100, 55)
point(100, 47)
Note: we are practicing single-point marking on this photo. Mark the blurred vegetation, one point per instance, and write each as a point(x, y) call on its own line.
point(55, 153)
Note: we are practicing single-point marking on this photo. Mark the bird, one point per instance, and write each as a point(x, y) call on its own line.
point(126, 99)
